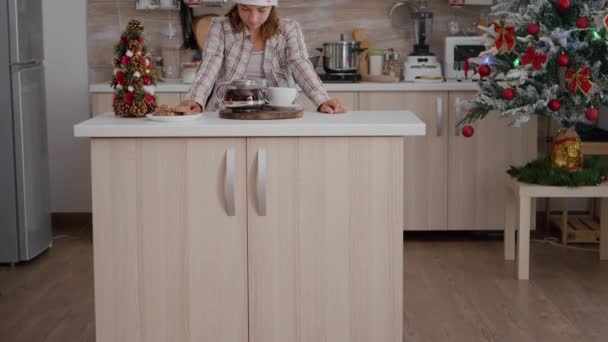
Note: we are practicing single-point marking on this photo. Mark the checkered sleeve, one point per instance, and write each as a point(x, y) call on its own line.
point(208, 70)
point(301, 68)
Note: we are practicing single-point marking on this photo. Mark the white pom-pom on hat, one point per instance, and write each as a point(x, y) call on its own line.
point(129, 53)
point(137, 74)
point(131, 88)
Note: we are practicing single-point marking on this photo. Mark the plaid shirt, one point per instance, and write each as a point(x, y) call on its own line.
point(226, 55)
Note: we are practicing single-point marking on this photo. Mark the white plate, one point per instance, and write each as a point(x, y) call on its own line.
point(177, 118)
point(294, 106)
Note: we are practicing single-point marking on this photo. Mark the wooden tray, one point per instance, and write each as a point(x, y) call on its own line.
point(265, 113)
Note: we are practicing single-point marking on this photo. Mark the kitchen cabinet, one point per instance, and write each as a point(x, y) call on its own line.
point(452, 182)
point(248, 239)
point(477, 165)
point(101, 103)
point(170, 262)
point(425, 168)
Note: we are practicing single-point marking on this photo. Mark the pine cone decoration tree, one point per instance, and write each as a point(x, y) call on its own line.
point(135, 26)
point(139, 109)
point(139, 64)
point(134, 46)
point(133, 94)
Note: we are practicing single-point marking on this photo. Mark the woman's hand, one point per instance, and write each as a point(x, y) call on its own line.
point(333, 106)
point(193, 106)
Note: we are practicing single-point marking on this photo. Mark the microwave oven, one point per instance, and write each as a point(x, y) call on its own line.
point(457, 51)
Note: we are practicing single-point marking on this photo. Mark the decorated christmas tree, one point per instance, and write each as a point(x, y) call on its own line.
point(133, 82)
point(551, 59)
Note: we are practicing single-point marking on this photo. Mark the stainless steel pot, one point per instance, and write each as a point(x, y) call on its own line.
point(342, 56)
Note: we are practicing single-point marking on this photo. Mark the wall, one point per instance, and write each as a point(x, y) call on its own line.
point(67, 103)
point(321, 20)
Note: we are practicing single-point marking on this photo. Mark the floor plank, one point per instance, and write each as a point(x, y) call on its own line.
point(456, 288)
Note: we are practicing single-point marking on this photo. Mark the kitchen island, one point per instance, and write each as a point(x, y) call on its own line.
point(262, 231)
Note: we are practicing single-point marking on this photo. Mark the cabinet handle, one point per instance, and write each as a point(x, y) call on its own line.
point(456, 109)
point(261, 184)
point(229, 181)
point(439, 116)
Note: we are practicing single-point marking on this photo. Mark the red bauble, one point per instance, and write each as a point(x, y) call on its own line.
point(508, 94)
point(468, 131)
point(120, 78)
point(563, 60)
point(592, 114)
point(147, 80)
point(129, 97)
point(484, 70)
point(149, 98)
point(582, 23)
point(562, 5)
point(140, 39)
point(554, 105)
point(533, 29)
point(123, 40)
point(125, 60)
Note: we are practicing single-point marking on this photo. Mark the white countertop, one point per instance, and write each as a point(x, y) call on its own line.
point(355, 123)
point(333, 87)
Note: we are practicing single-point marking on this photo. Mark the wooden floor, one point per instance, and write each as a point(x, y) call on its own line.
point(457, 288)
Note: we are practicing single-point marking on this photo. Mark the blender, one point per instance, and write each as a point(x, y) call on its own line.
point(422, 64)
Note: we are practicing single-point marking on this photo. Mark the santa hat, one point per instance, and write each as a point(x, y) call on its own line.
point(258, 2)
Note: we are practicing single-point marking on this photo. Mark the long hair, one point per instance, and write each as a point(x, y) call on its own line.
point(269, 29)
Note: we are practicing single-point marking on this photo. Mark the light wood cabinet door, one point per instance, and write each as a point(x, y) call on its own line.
point(477, 166)
point(169, 99)
point(101, 103)
point(350, 100)
point(325, 239)
point(425, 159)
point(170, 261)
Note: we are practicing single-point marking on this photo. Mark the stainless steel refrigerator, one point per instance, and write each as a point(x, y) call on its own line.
point(25, 225)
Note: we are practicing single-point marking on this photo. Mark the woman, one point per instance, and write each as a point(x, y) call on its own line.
point(251, 40)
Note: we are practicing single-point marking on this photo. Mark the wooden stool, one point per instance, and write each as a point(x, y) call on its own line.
point(519, 196)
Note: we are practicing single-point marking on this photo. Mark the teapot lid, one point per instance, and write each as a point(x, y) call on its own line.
point(261, 83)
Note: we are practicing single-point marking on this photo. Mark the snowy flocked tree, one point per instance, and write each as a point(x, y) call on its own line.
point(551, 57)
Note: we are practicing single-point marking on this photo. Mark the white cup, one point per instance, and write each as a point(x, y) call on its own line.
point(281, 96)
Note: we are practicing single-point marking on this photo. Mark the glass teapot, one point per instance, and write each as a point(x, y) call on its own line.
point(242, 94)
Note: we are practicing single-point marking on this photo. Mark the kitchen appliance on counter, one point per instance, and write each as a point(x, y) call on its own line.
point(243, 95)
point(341, 61)
point(457, 52)
point(25, 222)
point(422, 65)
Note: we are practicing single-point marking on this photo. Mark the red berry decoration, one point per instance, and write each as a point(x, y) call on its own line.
point(562, 5)
point(468, 131)
point(533, 29)
point(554, 105)
point(508, 94)
point(592, 114)
point(563, 60)
point(582, 23)
point(484, 70)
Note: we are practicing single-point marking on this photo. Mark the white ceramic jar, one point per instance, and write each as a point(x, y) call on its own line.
point(375, 62)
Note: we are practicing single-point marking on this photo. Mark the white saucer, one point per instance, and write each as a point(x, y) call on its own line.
point(294, 106)
point(177, 118)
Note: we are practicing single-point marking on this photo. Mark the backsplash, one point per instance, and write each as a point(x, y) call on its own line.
point(321, 20)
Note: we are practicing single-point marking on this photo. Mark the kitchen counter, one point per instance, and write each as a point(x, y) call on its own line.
point(354, 123)
point(333, 87)
point(219, 216)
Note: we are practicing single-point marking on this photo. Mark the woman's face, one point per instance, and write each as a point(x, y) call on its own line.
point(254, 16)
